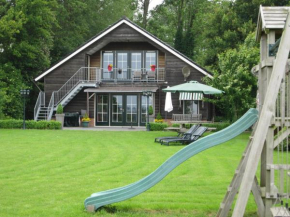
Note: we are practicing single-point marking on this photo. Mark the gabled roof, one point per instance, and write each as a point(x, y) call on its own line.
point(271, 18)
point(138, 29)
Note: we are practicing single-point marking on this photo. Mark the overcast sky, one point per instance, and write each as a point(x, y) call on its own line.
point(153, 3)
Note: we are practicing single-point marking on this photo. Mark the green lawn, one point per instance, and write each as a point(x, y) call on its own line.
point(50, 173)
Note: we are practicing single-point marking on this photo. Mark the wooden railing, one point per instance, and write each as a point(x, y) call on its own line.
point(134, 75)
point(186, 117)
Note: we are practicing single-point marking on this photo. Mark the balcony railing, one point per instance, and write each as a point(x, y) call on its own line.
point(133, 75)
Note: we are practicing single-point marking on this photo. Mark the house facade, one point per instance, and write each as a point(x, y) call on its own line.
point(106, 77)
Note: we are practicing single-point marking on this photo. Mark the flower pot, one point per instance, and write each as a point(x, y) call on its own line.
point(153, 67)
point(60, 118)
point(110, 67)
point(85, 123)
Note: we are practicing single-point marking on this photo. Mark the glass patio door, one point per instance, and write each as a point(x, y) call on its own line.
point(117, 110)
point(131, 110)
point(124, 110)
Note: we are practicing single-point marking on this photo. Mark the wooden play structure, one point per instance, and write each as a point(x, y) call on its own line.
point(268, 147)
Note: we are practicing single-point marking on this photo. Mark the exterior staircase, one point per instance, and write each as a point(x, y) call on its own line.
point(84, 77)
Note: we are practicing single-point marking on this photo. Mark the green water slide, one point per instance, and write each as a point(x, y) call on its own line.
point(100, 199)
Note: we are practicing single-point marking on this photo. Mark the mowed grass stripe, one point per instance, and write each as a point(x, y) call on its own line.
point(50, 173)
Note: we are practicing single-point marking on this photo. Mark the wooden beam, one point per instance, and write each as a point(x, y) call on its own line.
point(281, 137)
point(258, 197)
point(264, 121)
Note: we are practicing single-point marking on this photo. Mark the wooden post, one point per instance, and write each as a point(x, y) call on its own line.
point(88, 103)
point(264, 121)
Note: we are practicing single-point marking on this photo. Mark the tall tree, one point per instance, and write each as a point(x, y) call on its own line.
point(26, 39)
point(236, 80)
point(178, 41)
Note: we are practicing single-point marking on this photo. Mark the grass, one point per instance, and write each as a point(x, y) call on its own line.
point(50, 173)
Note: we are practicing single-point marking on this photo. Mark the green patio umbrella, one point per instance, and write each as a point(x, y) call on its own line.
point(193, 87)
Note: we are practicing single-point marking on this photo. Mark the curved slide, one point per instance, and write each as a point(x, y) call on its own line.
point(100, 199)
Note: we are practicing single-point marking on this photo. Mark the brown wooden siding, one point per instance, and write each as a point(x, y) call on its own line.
point(161, 59)
point(95, 59)
point(79, 102)
point(122, 38)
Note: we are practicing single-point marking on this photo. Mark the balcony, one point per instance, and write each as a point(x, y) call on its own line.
point(132, 75)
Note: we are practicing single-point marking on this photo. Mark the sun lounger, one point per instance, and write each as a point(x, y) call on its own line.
point(187, 138)
point(180, 134)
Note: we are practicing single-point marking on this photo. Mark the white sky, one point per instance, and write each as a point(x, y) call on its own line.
point(153, 3)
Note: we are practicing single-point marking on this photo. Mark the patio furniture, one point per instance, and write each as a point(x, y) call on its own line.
point(151, 76)
point(180, 134)
point(187, 138)
point(137, 75)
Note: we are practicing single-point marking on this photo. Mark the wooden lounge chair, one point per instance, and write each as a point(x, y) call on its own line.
point(180, 134)
point(187, 138)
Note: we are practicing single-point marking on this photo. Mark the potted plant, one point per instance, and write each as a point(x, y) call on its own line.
point(150, 112)
point(85, 120)
point(59, 116)
point(153, 67)
point(110, 67)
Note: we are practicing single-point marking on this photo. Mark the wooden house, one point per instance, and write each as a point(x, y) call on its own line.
point(107, 75)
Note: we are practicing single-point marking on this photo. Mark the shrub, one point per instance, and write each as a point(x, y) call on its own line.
point(175, 125)
point(30, 124)
point(218, 126)
point(150, 110)
point(157, 126)
point(59, 109)
point(159, 117)
point(158, 120)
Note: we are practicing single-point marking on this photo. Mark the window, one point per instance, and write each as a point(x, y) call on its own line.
point(131, 109)
point(108, 58)
point(150, 59)
point(144, 107)
point(102, 108)
point(136, 61)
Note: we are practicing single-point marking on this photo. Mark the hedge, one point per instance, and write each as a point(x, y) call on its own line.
point(157, 126)
point(30, 124)
point(218, 126)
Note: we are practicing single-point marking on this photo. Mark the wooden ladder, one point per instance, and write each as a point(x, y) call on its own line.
point(232, 190)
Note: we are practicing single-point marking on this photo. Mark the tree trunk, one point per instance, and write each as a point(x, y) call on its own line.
point(145, 12)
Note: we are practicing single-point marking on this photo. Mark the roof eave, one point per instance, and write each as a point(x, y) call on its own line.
point(138, 29)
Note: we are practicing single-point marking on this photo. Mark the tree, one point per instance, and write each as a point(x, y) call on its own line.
point(235, 79)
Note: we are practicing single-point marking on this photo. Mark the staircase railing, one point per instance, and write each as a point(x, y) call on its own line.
point(84, 74)
point(39, 102)
point(50, 106)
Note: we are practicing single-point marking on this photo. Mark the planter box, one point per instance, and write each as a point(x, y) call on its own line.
point(85, 123)
point(60, 118)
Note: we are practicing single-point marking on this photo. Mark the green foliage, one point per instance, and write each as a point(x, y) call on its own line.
point(157, 126)
point(59, 109)
point(236, 79)
point(218, 126)
point(30, 124)
point(150, 112)
point(11, 103)
point(159, 117)
point(175, 125)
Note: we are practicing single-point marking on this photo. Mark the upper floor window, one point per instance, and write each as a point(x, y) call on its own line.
point(150, 59)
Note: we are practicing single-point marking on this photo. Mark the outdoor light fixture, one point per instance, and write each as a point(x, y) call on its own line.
point(24, 93)
point(147, 93)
